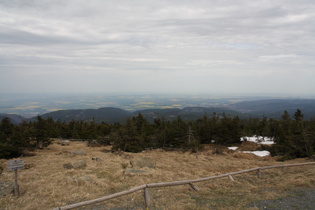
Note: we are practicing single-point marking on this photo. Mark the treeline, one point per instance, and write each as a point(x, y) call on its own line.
point(294, 136)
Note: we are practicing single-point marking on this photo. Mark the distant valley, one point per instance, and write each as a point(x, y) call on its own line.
point(30, 105)
point(271, 108)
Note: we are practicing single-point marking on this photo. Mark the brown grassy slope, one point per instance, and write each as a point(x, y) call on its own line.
point(48, 184)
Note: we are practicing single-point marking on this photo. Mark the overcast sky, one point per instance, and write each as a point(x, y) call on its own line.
point(171, 46)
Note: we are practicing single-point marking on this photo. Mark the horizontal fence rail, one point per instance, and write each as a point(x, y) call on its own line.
point(146, 187)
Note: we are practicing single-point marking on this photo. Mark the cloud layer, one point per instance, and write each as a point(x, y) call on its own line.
point(157, 46)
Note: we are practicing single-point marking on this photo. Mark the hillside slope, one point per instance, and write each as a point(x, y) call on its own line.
point(107, 114)
point(55, 186)
point(274, 108)
point(112, 115)
point(187, 113)
point(15, 119)
point(271, 108)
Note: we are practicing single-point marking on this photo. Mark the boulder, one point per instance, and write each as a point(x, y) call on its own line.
point(68, 166)
point(65, 143)
point(143, 162)
point(79, 164)
point(6, 188)
point(74, 153)
point(76, 165)
point(135, 171)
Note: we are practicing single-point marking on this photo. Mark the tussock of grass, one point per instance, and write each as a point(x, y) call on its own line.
point(249, 146)
point(47, 184)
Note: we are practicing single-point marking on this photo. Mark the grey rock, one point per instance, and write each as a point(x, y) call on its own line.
point(79, 164)
point(68, 166)
point(135, 171)
point(74, 153)
point(65, 143)
point(6, 188)
point(143, 162)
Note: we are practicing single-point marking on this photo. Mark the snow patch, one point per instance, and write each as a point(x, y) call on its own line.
point(258, 153)
point(258, 139)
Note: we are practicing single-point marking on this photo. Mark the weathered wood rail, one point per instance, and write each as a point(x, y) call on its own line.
point(146, 187)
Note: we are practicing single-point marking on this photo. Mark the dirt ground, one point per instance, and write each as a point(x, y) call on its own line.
point(47, 184)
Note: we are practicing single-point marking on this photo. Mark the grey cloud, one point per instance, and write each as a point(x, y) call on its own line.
point(27, 38)
point(162, 42)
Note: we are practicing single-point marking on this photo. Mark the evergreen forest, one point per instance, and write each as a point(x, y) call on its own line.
point(294, 136)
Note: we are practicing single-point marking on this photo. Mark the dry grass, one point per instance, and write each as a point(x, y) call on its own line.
point(249, 146)
point(47, 184)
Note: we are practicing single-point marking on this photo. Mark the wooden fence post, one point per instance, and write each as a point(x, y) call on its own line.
point(15, 165)
point(16, 185)
point(193, 187)
point(147, 197)
point(231, 178)
point(259, 173)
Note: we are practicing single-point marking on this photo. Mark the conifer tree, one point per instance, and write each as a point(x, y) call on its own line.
point(41, 133)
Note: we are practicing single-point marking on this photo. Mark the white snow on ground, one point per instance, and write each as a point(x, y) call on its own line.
point(258, 139)
point(258, 153)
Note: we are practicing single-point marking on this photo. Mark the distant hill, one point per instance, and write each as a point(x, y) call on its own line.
point(274, 108)
point(107, 114)
point(15, 119)
point(112, 115)
point(188, 113)
point(271, 108)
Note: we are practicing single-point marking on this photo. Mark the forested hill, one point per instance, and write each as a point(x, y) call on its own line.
point(15, 119)
point(188, 113)
point(107, 114)
point(293, 134)
point(255, 109)
point(273, 108)
point(112, 115)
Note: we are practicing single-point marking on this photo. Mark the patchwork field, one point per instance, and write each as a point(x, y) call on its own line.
point(48, 183)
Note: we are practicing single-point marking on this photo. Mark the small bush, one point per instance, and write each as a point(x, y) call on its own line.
point(93, 143)
point(124, 165)
point(27, 153)
point(104, 140)
point(8, 151)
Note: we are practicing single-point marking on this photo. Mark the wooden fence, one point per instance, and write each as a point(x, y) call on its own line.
point(146, 187)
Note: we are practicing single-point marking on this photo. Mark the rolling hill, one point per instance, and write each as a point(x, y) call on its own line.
point(187, 113)
point(274, 108)
point(271, 108)
point(15, 119)
point(112, 115)
point(107, 114)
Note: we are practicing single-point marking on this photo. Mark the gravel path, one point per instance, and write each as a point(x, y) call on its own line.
point(301, 199)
